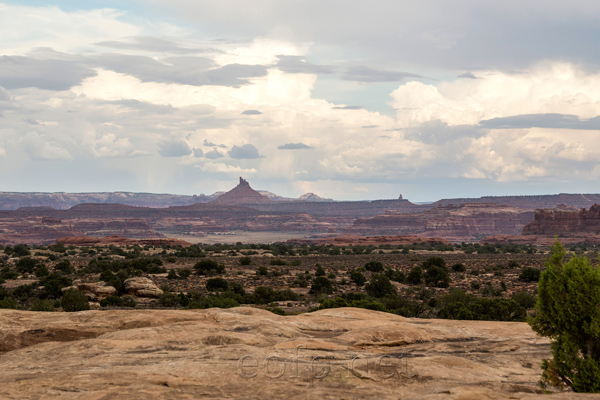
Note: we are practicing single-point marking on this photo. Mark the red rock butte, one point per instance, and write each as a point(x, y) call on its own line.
point(242, 194)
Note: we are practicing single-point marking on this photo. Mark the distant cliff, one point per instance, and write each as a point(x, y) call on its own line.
point(531, 202)
point(561, 221)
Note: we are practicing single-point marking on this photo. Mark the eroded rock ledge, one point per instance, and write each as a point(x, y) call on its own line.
point(251, 353)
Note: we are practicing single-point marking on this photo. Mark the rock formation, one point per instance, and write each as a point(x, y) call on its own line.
point(250, 353)
point(561, 221)
point(569, 224)
point(463, 222)
point(242, 194)
point(141, 287)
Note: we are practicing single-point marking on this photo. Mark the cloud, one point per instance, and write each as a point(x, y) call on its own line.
point(298, 65)
point(364, 74)
point(348, 107)
point(111, 146)
point(23, 72)
point(225, 168)
point(467, 75)
point(246, 151)
point(551, 121)
point(211, 144)
point(294, 146)
point(198, 153)
point(213, 154)
point(251, 112)
point(174, 148)
point(151, 44)
point(548, 88)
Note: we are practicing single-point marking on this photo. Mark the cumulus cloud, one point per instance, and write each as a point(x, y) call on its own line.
point(544, 89)
point(245, 151)
point(251, 112)
point(213, 154)
point(294, 146)
point(198, 153)
point(174, 148)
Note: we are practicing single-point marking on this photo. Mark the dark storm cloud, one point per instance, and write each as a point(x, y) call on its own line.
point(246, 151)
point(150, 44)
point(294, 146)
point(552, 121)
point(18, 72)
point(364, 74)
point(439, 34)
point(174, 148)
point(298, 65)
point(251, 112)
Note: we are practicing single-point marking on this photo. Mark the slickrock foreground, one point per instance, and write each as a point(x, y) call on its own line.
point(250, 353)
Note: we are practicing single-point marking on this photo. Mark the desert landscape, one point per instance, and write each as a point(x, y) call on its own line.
point(299, 199)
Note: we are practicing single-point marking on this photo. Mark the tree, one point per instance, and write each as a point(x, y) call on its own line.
point(415, 276)
point(74, 300)
point(568, 312)
point(380, 286)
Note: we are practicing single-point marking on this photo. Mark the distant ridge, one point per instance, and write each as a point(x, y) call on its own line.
point(241, 194)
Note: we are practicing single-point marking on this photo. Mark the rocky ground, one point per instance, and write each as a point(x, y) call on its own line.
point(250, 353)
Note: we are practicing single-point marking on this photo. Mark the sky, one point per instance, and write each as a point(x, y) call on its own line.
point(346, 99)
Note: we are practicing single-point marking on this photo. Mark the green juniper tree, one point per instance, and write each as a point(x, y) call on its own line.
point(568, 312)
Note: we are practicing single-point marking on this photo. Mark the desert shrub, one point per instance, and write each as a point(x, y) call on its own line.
point(319, 271)
point(460, 267)
point(301, 280)
point(321, 285)
point(277, 261)
point(20, 250)
point(415, 276)
point(9, 302)
point(567, 312)
point(111, 301)
point(184, 273)
point(128, 301)
point(262, 271)
point(513, 264)
point(374, 266)
point(24, 292)
point(463, 306)
point(437, 276)
point(266, 295)
point(358, 278)
point(529, 274)
point(526, 300)
point(245, 260)
point(379, 286)
point(41, 271)
point(172, 274)
point(65, 267)
point(42, 305)
point(52, 286)
point(395, 275)
point(26, 265)
point(74, 300)
point(438, 261)
point(217, 284)
point(208, 267)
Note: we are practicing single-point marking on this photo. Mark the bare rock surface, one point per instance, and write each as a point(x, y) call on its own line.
point(250, 353)
point(141, 287)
